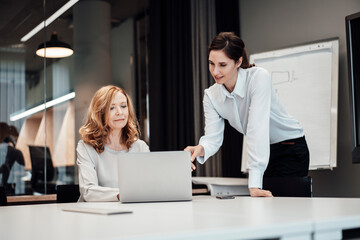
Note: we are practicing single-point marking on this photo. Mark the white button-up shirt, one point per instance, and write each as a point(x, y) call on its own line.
point(253, 109)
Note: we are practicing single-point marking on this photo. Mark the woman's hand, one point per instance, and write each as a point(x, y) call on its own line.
point(195, 151)
point(257, 192)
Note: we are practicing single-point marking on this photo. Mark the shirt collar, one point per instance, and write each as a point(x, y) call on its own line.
point(239, 86)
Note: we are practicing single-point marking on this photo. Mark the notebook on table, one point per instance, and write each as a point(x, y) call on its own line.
point(155, 176)
point(100, 211)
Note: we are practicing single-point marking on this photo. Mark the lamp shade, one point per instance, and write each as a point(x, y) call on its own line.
point(54, 48)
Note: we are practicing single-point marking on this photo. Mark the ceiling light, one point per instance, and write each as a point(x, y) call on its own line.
point(41, 107)
point(54, 48)
point(49, 20)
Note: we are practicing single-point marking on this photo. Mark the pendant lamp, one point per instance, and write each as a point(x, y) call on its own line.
point(54, 48)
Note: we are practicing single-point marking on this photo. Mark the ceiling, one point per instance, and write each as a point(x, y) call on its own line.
point(18, 17)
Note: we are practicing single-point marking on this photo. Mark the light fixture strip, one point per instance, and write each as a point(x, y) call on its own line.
point(48, 21)
point(41, 107)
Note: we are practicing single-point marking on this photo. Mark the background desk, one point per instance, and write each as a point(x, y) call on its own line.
point(203, 218)
point(218, 186)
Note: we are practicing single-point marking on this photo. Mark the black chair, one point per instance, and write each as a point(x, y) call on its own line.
point(67, 193)
point(38, 173)
point(288, 186)
point(3, 199)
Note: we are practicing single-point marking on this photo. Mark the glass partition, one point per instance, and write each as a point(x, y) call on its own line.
point(38, 94)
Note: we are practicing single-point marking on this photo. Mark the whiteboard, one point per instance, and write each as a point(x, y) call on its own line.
point(306, 80)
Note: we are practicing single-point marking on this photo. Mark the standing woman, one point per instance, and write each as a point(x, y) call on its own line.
point(111, 129)
point(243, 95)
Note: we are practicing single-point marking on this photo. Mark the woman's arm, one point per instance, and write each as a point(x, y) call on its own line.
point(88, 179)
point(214, 131)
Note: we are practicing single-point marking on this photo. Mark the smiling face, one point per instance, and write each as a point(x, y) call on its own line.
point(223, 69)
point(118, 112)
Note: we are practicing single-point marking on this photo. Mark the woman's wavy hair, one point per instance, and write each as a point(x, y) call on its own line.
point(233, 47)
point(96, 129)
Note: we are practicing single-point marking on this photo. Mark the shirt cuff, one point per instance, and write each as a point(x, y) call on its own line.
point(255, 178)
point(201, 160)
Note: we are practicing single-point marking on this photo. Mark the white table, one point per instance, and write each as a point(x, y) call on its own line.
point(203, 218)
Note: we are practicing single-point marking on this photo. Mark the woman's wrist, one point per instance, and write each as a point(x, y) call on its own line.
point(202, 151)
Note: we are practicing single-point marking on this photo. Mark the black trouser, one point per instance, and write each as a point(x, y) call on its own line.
point(289, 158)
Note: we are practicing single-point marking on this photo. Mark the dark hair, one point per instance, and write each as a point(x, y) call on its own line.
point(233, 47)
point(9, 139)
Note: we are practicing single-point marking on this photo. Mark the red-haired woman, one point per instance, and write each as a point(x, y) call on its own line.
point(111, 128)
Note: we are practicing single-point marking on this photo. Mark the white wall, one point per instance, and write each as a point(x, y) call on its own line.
point(268, 25)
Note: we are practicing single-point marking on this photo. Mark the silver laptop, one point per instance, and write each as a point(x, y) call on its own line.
point(155, 176)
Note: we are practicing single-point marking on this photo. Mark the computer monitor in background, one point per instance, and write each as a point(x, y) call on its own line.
point(353, 52)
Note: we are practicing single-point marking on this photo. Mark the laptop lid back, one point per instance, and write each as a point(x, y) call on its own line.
point(155, 176)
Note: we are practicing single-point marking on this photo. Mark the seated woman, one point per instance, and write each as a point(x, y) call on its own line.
point(111, 129)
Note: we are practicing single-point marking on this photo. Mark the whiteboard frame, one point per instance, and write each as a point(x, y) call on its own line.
point(332, 43)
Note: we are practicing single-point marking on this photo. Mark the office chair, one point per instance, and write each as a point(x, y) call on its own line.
point(288, 186)
point(67, 193)
point(37, 170)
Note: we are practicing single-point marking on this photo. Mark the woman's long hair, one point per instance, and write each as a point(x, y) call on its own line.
point(233, 47)
point(96, 129)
